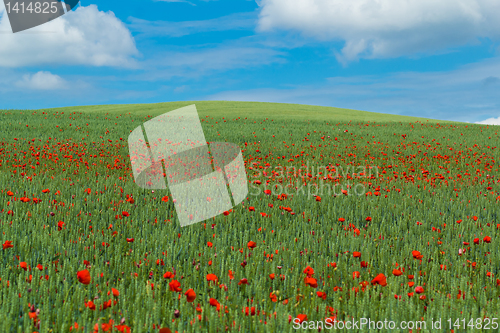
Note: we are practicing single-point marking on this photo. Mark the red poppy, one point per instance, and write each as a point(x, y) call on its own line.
point(321, 294)
point(130, 240)
point(311, 282)
point(10, 193)
point(90, 305)
point(318, 198)
point(243, 281)
point(272, 276)
point(251, 245)
point(23, 265)
point(123, 328)
point(356, 254)
point(209, 244)
point(355, 275)
point(115, 292)
point(214, 302)
point(169, 275)
point(341, 219)
point(419, 290)
point(301, 318)
point(174, 286)
point(83, 276)
point(380, 279)
point(368, 219)
point(190, 295)
point(212, 278)
point(46, 190)
point(417, 254)
point(165, 198)
point(396, 272)
point(251, 208)
point(487, 239)
point(476, 240)
point(39, 266)
point(309, 271)
point(125, 214)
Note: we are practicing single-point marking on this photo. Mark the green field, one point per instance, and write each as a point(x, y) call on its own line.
point(404, 193)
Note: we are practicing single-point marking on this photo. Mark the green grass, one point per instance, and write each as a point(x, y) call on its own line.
point(424, 178)
point(251, 109)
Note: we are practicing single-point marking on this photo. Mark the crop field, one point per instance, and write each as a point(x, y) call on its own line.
point(349, 215)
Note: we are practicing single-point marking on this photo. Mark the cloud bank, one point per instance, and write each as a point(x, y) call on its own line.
point(386, 28)
point(85, 36)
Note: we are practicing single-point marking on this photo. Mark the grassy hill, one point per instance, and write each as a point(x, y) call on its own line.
point(252, 109)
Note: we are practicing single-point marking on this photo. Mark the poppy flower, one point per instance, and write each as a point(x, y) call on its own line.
point(321, 294)
point(190, 295)
point(83, 276)
point(243, 281)
point(125, 214)
point(249, 311)
point(380, 279)
point(226, 213)
point(355, 275)
point(90, 305)
point(174, 286)
point(396, 272)
point(417, 254)
point(311, 282)
point(419, 290)
point(356, 254)
point(273, 297)
point(211, 278)
point(309, 270)
point(209, 244)
point(487, 239)
point(115, 292)
point(231, 275)
point(165, 330)
point(10, 193)
point(251, 208)
point(23, 265)
point(123, 328)
point(214, 302)
point(476, 240)
point(341, 219)
point(39, 266)
point(165, 198)
point(364, 264)
point(251, 245)
point(301, 318)
point(272, 276)
point(318, 198)
point(168, 275)
point(267, 192)
point(368, 219)
point(130, 240)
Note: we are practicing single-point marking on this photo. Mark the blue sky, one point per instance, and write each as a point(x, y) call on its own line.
point(436, 59)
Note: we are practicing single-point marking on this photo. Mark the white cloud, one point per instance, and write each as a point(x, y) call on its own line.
point(386, 28)
point(85, 36)
point(490, 121)
point(41, 81)
point(236, 21)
